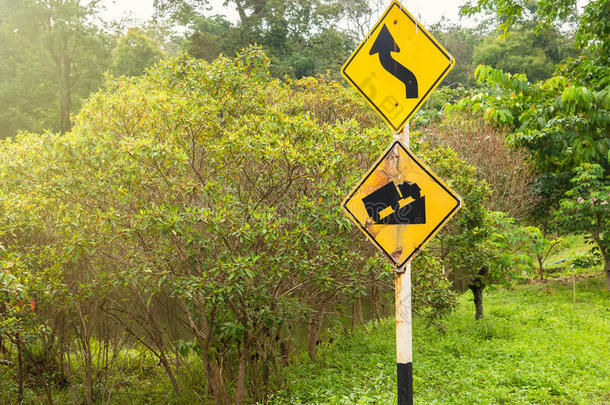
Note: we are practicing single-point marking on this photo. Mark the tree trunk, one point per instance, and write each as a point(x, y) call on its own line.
point(285, 348)
point(213, 365)
point(540, 267)
point(606, 257)
point(69, 375)
point(315, 326)
point(359, 310)
point(84, 337)
point(47, 390)
point(216, 381)
point(375, 300)
point(63, 66)
point(604, 251)
point(168, 370)
point(240, 391)
point(607, 268)
point(88, 366)
point(285, 345)
point(477, 292)
point(66, 104)
point(19, 370)
point(157, 338)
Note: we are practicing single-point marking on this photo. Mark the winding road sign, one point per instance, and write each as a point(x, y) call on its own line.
point(397, 66)
point(400, 204)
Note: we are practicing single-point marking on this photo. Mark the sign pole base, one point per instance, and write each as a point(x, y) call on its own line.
point(405, 383)
point(404, 351)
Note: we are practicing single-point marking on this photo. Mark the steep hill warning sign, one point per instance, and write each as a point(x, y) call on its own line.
point(400, 204)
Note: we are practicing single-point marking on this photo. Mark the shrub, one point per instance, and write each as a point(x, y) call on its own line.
point(507, 170)
point(196, 210)
point(585, 260)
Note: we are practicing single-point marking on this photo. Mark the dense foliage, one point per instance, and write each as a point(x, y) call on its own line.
point(185, 226)
point(564, 122)
point(526, 51)
point(55, 53)
point(52, 56)
point(301, 38)
point(134, 53)
point(195, 210)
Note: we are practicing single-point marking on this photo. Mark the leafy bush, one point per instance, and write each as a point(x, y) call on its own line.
point(194, 212)
point(585, 260)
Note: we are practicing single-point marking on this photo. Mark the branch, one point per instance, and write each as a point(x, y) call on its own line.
point(242, 13)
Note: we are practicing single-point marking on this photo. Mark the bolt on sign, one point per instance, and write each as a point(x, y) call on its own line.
point(400, 204)
point(397, 66)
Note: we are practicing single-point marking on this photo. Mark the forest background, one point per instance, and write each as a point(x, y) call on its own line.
point(170, 197)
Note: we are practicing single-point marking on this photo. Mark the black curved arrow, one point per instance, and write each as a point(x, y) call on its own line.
point(384, 45)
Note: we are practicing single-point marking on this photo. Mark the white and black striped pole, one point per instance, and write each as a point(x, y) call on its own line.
point(402, 290)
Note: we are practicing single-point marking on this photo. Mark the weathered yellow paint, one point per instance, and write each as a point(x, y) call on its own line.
point(419, 52)
point(400, 243)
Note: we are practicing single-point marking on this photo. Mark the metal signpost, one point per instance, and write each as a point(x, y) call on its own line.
point(404, 324)
point(399, 204)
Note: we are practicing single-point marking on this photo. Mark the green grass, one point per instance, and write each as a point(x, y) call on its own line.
point(535, 346)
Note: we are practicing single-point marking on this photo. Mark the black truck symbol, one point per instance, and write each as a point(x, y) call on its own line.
point(389, 196)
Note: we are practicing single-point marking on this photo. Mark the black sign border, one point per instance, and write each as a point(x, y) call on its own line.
point(445, 54)
point(433, 176)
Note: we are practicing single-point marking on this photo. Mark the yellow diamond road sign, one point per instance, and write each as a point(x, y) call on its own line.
point(397, 66)
point(400, 204)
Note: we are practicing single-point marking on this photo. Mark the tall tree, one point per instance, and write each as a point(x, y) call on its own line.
point(298, 36)
point(460, 42)
point(68, 53)
point(525, 51)
point(544, 13)
point(134, 52)
point(586, 209)
point(563, 121)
